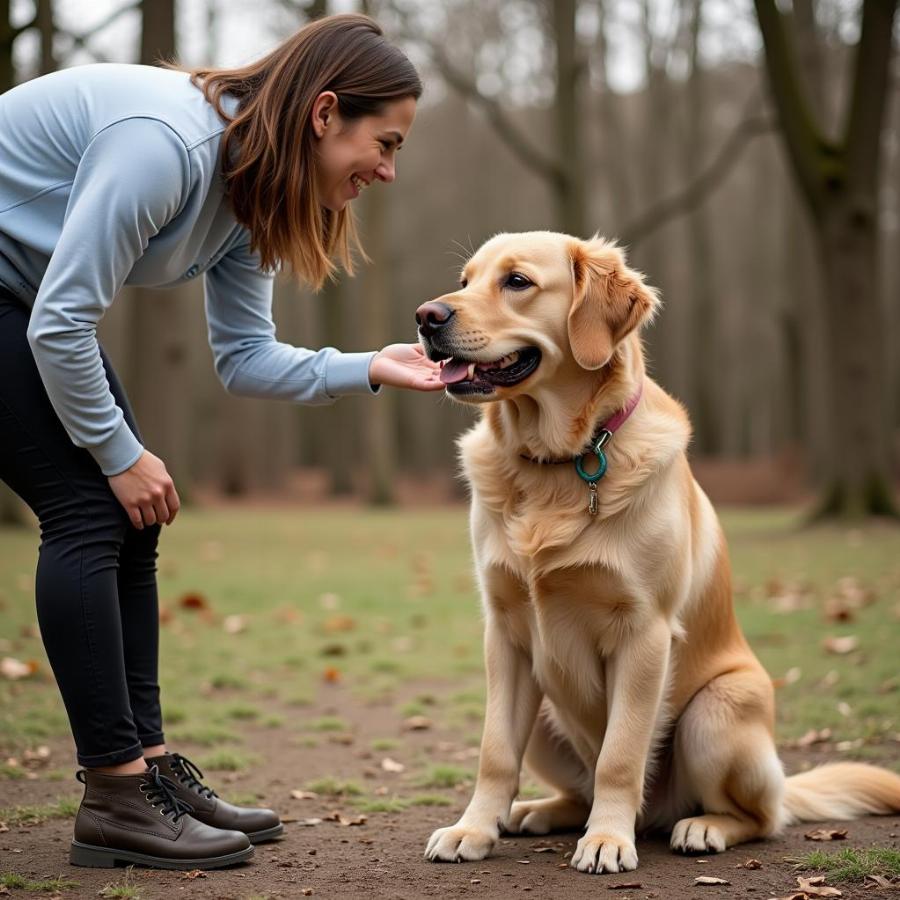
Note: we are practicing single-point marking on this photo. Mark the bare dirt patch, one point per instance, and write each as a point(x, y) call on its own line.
point(383, 857)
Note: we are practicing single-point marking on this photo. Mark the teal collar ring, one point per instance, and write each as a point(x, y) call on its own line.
point(601, 438)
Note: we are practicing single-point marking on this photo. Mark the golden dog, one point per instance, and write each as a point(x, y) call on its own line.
point(615, 664)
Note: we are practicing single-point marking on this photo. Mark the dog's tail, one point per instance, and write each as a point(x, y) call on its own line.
point(842, 790)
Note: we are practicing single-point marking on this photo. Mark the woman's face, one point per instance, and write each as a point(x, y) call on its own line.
point(352, 153)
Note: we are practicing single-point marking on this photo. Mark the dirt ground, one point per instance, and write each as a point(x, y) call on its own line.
point(382, 858)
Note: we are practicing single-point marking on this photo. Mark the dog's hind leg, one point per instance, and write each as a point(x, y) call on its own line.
point(551, 758)
point(726, 763)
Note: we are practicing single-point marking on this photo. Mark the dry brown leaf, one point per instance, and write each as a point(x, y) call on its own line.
point(625, 885)
point(338, 623)
point(749, 864)
point(311, 823)
point(390, 765)
point(826, 834)
point(709, 879)
point(417, 723)
point(524, 862)
point(816, 887)
point(304, 795)
point(882, 882)
point(193, 601)
point(331, 675)
point(235, 624)
point(307, 892)
point(288, 615)
point(3, 827)
point(797, 895)
point(194, 873)
point(841, 645)
point(814, 737)
point(543, 850)
point(14, 669)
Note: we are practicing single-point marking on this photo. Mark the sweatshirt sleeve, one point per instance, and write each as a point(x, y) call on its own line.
point(130, 182)
point(250, 361)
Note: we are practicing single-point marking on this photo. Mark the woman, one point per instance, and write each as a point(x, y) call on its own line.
point(113, 175)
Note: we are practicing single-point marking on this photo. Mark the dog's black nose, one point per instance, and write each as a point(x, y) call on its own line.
point(431, 317)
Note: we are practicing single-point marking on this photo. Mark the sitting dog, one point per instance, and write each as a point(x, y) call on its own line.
point(615, 665)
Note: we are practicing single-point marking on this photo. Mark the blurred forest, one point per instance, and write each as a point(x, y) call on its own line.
point(746, 154)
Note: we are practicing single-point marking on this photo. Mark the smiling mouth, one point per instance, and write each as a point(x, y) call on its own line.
point(463, 376)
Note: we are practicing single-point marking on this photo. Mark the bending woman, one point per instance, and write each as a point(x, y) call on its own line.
point(118, 174)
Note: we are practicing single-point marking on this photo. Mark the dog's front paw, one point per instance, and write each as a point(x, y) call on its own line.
point(461, 842)
point(604, 852)
point(697, 835)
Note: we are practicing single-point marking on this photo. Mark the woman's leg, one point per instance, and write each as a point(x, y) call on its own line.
point(139, 610)
point(83, 530)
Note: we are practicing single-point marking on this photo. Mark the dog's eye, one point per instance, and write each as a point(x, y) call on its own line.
point(518, 282)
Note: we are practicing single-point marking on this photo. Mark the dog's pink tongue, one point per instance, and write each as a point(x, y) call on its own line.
point(454, 370)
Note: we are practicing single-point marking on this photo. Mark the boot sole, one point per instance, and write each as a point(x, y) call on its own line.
point(107, 858)
point(267, 834)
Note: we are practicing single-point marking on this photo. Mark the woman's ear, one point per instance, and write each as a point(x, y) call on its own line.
point(609, 302)
point(323, 111)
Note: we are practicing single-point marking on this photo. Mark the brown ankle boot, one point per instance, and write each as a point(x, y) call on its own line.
point(138, 819)
point(258, 824)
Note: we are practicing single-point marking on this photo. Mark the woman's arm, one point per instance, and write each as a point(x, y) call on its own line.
point(251, 362)
point(129, 183)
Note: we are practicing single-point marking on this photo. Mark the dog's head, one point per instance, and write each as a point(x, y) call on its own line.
point(529, 307)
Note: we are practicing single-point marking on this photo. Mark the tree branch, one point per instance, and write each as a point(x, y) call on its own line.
point(81, 39)
point(865, 116)
point(696, 191)
point(810, 154)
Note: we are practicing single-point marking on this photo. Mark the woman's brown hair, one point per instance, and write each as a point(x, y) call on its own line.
point(268, 147)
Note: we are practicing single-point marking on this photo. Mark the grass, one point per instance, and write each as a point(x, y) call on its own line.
point(64, 808)
point(47, 886)
point(335, 787)
point(848, 865)
point(443, 776)
point(214, 683)
point(123, 891)
point(227, 761)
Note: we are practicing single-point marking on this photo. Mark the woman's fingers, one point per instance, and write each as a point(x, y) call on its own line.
point(148, 514)
point(174, 504)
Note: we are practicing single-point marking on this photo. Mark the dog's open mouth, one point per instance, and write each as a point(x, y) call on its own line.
point(464, 376)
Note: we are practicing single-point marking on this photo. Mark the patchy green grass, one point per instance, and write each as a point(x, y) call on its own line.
point(328, 723)
point(443, 776)
point(64, 808)
point(411, 613)
point(335, 787)
point(227, 761)
point(430, 800)
point(852, 865)
point(46, 886)
point(381, 804)
point(125, 890)
point(380, 745)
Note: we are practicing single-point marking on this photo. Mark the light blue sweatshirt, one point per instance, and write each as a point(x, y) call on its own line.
point(109, 175)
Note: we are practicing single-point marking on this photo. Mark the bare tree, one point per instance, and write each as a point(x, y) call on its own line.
point(839, 181)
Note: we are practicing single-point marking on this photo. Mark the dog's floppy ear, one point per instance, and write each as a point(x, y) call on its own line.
point(610, 301)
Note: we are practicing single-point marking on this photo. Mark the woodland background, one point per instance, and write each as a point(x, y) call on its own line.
point(746, 153)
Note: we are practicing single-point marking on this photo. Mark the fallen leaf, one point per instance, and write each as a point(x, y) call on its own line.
point(14, 669)
point(235, 624)
point(841, 645)
point(543, 850)
point(749, 864)
point(329, 601)
point(882, 882)
point(390, 765)
point(304, 795)
point(826, 834)
point(524, 862)
point(311, 823)
point(709, 879)
point(816, 887)
point(845, 709)
point(307, 892)
point(193, 601)
point(795, 896)
point(625, 885)
point(3, 827)
point(335, 624)
point(331, 675)
point(194, 873)
point(417, 723)
point(814, 737)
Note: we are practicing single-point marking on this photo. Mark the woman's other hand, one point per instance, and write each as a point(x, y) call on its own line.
point(405, 366)
point(147, 492)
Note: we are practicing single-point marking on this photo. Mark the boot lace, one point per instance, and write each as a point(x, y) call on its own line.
point(160, 791)
point(189, 775)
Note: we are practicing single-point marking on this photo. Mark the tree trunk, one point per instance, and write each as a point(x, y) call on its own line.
point(570, 190)
point(47, 29)
point(7, 39)
point(858, 475)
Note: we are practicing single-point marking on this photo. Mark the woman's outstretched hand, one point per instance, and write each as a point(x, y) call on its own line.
point(147, 492)
point(405, 366)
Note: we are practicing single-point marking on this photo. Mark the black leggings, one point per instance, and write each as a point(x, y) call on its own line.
point(96, 574)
